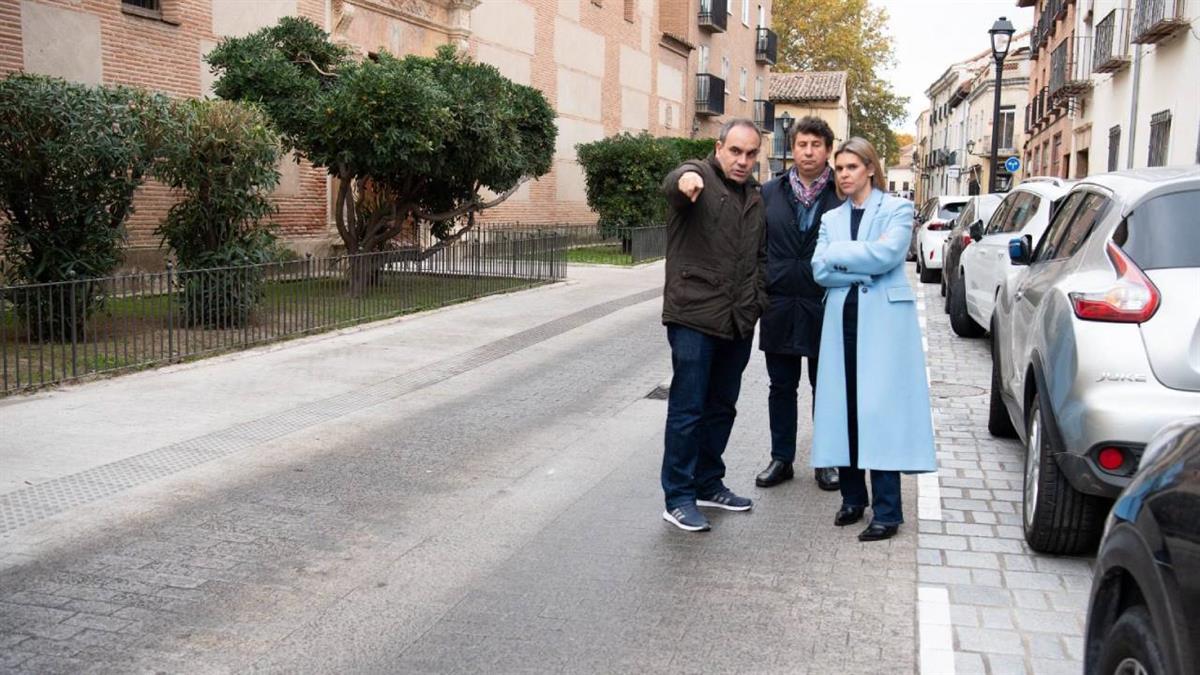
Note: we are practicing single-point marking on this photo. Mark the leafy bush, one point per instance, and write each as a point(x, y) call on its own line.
point(406, 139)
point(71, 158)
point(624, 176)
point(222, 156)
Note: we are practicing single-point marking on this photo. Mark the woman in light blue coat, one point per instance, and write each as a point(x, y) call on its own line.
point(872, 403)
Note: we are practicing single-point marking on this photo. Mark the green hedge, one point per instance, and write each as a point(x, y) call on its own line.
point(624, 176)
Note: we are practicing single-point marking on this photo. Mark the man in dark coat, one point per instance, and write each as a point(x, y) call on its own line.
point(791, 327)
point(714, 292)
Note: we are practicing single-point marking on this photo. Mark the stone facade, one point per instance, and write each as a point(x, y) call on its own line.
point(606, 66)
point(955, 135)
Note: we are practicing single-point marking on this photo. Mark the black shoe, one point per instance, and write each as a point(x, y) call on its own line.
point(848, 515)
point(827, 478)
point(877, 532)
point(775, 473)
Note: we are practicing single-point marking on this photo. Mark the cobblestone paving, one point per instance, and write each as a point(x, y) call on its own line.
point(504, 520)
point(988, 603)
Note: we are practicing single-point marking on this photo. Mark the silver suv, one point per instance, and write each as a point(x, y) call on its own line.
point(1097, 345)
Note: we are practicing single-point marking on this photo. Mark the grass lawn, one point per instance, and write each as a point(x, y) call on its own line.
point(604, 254)
point(141, 331)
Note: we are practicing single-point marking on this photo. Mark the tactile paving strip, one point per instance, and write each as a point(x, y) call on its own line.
point(31, 504)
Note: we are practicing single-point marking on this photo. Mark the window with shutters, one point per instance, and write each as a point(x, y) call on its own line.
point(1160, 136)
point(725, 73)
point(1008, 120)
point(742, 84)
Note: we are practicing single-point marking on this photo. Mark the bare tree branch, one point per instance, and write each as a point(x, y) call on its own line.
point(305, 58)
point(473, 205)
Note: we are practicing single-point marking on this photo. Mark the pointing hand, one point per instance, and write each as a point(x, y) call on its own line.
point(690, 184)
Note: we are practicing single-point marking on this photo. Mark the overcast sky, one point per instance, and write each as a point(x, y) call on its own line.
point(929, 35)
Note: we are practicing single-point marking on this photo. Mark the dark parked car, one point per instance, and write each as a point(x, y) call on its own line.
point(978, 210)
point(1145, 605)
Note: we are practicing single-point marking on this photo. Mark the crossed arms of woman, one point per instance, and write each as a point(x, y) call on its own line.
point(843, 263)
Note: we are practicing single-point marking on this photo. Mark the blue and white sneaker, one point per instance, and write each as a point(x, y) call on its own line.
point(726, 499)
point(687, 517)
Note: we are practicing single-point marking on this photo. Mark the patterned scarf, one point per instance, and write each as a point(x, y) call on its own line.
point(808, 196)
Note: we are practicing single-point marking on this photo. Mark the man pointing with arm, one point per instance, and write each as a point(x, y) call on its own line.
point(715, 290)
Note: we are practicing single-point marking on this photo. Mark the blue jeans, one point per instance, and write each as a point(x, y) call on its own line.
point(885, 490)
point(700, 411)
point(784, 370)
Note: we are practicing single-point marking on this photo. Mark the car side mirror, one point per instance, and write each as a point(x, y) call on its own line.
point(1018, 251)
point(977, 230)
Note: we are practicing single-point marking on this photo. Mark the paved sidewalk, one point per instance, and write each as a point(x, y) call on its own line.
point(473, 490)
point(988, 603)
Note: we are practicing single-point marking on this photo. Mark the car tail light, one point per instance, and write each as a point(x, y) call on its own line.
point(1132, 299)
point(1111, 458)
point(966, 239)
point(938, 225)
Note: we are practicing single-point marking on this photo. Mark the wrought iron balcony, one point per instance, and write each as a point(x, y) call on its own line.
point(1157, 20)
point(1071, 68)
point(710, 95)
point(714, 15)
point(764, 115)
point(766, 48)
point(1111, 51)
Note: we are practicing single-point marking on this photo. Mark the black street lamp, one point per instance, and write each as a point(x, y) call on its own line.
point(785, 121)
point(1001, 33)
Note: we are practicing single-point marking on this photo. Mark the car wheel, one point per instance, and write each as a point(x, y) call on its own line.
point(999, 423)
point(928, 276)
point(946, 293)
point(960, 320)
point(943, 285)
point(1131, 646)
point(1057, 518)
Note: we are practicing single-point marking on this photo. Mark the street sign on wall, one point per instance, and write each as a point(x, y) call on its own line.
point(1012, 164)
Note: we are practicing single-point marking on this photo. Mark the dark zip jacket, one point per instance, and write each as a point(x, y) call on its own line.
point(716, 254)
point(792, 321)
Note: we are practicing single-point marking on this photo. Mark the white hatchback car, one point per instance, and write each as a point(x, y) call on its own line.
point(984, 266)
point(936, 218)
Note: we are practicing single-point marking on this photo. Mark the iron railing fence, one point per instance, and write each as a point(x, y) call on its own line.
point(637, 244)
point(60, 332)
point(647, 243)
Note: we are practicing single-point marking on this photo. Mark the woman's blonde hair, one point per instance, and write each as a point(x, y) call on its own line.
point(862, 148)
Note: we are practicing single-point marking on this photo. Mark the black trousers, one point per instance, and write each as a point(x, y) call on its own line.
point(885, 485)
point(784, 371)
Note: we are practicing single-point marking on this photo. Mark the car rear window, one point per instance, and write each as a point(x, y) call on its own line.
point(949, 211)
point(1164, 232)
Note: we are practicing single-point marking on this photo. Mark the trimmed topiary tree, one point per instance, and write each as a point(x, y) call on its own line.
point(71, 158)
point(624, 176)
point(407, 140)
point(222, 156)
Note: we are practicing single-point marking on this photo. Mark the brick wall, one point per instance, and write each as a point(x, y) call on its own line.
point(165, 55)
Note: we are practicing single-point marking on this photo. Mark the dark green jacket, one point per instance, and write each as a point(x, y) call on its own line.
point(716, 254)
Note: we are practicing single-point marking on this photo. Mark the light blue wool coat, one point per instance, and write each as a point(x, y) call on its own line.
point(895, 426)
